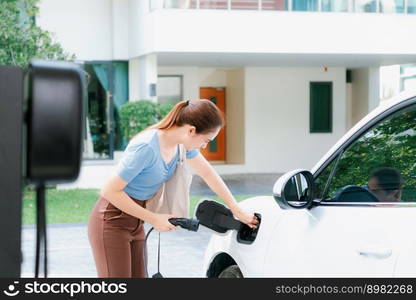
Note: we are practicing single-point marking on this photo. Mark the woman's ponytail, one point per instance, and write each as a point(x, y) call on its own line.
point(171, 118)
point(203, 114)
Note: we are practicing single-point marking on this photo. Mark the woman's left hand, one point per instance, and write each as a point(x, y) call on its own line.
point(246, 218)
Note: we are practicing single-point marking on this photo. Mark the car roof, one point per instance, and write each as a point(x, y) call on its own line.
point(384, 106)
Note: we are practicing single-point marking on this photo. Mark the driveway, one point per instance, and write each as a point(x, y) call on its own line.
point(69, 253)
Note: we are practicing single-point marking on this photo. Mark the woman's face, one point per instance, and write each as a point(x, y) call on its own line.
point(198, 141)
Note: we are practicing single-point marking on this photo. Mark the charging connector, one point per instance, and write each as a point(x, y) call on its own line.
point(190, 224)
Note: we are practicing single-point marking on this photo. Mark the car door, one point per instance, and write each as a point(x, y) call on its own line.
point(358, 229)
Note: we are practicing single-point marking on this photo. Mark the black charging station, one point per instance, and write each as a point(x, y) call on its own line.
point(41, 121)
point(11, 167)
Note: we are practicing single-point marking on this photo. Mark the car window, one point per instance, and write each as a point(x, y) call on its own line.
point(322, 180)
point(380, 166)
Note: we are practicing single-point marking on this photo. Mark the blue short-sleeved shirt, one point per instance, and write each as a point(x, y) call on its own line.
point(143, 167)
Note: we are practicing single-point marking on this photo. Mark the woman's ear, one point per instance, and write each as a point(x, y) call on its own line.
point(191, 130)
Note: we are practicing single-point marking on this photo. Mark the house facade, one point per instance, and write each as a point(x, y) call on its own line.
point(292, 76)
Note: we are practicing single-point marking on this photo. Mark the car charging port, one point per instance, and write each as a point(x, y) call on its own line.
point(219, 218)
point(247, 235)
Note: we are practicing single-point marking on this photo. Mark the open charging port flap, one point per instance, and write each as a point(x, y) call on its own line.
point(219, 218)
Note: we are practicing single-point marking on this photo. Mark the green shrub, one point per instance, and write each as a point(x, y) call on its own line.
point(138, 115)
point(164, 109)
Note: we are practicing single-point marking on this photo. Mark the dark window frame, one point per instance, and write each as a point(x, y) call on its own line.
point(311, 85)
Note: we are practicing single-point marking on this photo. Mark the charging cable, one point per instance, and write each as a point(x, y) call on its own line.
point(190, 224)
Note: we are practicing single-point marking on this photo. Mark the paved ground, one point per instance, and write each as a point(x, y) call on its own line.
point(182, 251)
point(69, 253)
point(254, 184)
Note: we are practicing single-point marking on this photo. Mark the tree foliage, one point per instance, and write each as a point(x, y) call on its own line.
point(138, 115)
point(392, 143)
point(21, 40)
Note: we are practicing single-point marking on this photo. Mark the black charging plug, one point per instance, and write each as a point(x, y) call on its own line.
point(190, 224)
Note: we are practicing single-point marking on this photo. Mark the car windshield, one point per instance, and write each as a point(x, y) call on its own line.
point(380, 166)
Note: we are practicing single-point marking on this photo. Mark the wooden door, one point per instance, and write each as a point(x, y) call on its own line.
point(215, 151)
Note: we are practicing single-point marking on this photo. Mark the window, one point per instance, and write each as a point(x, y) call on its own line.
point(305, 5)
point(244, 4)
point(169, 88)
point(411, 6)
point(213, 4)
point(107, 90)
point(392, 6)
point(335, 5)
point(378, 166)
point(274, 5)
point(407, 77)
point(365, 6)
point(320, 107)
point(322, 180)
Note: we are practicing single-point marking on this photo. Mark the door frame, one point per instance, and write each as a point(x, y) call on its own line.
point(111, 120)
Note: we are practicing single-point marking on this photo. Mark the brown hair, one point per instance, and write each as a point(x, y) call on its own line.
point(203, 114)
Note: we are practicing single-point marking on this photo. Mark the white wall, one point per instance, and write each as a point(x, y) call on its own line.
point(142, 73)
point(83, 28)
point(274, 130)
point(277, 32)
point(120, 29)
point(374, 88)
point(233, 81)
point(190, 77)
point(212, 77)
point(141, 28)
point(389, 82)
point(365, 92)
point(124, 29)
point(195, 77)
point(277, 118)
point(134, 79)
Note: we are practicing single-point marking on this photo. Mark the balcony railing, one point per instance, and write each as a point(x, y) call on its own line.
point(352, 6)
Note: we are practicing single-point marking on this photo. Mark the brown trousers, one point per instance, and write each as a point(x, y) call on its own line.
point(117, 240)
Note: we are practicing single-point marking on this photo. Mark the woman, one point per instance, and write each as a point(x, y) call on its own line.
point(115, 227)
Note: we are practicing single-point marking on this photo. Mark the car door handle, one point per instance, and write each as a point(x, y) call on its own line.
point(375, 252)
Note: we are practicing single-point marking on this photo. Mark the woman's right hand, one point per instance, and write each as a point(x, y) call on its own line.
point(161, 222)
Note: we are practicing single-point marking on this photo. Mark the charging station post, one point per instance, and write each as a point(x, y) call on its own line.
point(11, 168)
point(41, 122)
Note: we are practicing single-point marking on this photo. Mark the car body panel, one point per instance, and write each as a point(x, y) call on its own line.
point(368, 239)
point(330, 239)
point(247, 256)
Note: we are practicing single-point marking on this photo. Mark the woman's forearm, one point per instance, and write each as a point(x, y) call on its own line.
point(123, 202)
point(217, 185)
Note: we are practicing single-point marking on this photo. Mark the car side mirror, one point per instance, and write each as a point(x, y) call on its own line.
point(294, 189)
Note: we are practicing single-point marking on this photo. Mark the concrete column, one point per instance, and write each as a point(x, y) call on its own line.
point(143, 78)
point(389, 81)
point(349, 111)
point(373, 88)
point(365, 92)
point(235, 121)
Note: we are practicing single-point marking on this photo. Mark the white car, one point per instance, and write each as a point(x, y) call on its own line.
point(352, 215)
